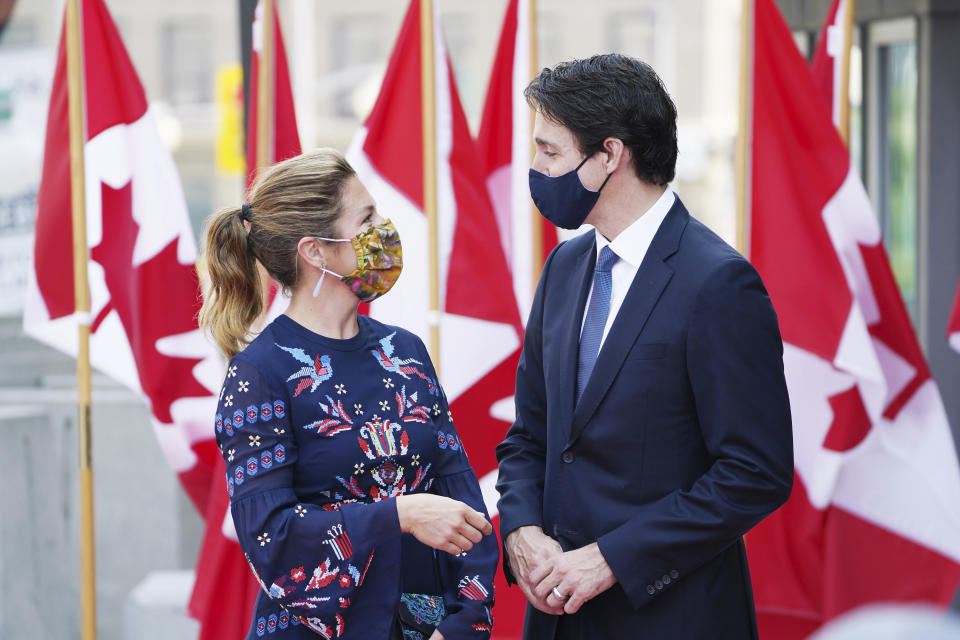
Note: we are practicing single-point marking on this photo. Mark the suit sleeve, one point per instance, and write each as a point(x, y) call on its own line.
point(735, 367)
point(522, 454)
point(326, 567)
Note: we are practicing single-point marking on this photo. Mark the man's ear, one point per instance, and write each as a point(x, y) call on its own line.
point(311, 251)
point(615, 154)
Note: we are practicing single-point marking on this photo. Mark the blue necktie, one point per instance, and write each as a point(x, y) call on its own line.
point(597, 312)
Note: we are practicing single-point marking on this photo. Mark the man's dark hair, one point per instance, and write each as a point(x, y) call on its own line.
point(612, 95)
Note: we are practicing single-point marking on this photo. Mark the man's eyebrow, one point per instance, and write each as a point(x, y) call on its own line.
point(545, 143)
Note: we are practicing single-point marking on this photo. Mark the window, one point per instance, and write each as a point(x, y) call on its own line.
point(357, 43)
point(18, 34)
point(550, 45)
point(198, 195)
point(632, 33)
point(650, 35)
point(187, 70)
point(893, 136)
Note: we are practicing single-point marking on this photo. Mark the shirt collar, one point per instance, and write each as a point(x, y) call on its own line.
point(632, 243)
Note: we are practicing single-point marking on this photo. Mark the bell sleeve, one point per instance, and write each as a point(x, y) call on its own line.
point(327, 568)
point(467, 579)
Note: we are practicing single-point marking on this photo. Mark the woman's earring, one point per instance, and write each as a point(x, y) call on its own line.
point(316, 289)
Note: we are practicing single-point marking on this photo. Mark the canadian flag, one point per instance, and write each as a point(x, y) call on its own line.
point(143, 287)
point(828, 59)
point(283, 125)
point(953, 327)
point(875, 511)
point(504, 143)
point(479, 321)
point(224, 591)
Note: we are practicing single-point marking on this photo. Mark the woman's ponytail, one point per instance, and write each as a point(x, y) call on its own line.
point(294, 199)
point(234, 296)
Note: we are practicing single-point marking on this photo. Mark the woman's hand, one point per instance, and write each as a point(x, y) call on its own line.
point(442, 523)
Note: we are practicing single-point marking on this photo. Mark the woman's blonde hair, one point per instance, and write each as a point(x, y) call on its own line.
point(293, 199)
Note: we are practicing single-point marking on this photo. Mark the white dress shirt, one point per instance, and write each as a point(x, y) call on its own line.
point(631, 247)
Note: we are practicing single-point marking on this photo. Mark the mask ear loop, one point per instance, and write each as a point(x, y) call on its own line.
point(609, 175)
point(583, 162)
point(323, 273)
point(323, 265)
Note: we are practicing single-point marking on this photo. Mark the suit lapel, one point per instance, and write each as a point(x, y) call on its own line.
point(648, 284)
point(582, 277)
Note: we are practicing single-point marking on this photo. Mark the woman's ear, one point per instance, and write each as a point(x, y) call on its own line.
point(311, 251)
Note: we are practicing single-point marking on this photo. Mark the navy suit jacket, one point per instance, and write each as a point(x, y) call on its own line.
point(679, 445)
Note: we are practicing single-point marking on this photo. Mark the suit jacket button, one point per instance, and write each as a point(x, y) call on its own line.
point(658, 585)
point(568, 457)
point(674, 574)
point(650, 589)
point(666, 579)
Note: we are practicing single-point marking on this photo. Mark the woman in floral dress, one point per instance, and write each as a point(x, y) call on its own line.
point(351, 494)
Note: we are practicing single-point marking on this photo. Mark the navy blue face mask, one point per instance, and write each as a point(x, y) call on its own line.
point(564, 200)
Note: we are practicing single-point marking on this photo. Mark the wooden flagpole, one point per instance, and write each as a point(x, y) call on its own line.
point(844, 125)
point(536, 220)
point(743, 138)
point(265, 88)
point(88, 596)
point(429, 106)
point(747, 24)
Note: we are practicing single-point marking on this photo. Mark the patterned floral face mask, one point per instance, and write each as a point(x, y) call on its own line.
point(379, 262)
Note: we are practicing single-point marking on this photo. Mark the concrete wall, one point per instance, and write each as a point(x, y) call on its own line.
point(142, 521)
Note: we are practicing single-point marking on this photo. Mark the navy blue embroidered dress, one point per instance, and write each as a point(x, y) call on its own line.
point(320, 436)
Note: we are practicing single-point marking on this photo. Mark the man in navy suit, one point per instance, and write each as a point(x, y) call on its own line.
point(653, 425)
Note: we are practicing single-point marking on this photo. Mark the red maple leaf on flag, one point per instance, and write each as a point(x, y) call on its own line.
point(143, 307)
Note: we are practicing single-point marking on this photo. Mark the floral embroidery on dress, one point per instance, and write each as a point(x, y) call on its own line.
point(339, 541)
point(407, 408)
point(338, 421)
point(382, 442)
point(472, 588)
point(373, 443)
point(401, 367)
point(322, 576)
point(317, 370)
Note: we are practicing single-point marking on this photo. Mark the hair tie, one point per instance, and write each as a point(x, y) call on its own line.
point(245, 211)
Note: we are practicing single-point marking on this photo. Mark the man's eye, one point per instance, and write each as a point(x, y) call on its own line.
point(550, 154)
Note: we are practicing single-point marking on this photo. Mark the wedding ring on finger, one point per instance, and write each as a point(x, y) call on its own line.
point(559, 596)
